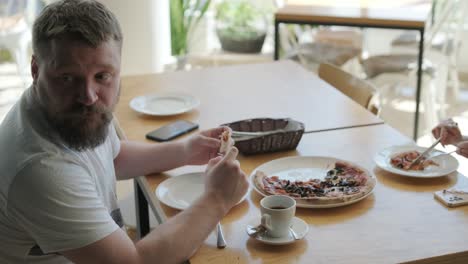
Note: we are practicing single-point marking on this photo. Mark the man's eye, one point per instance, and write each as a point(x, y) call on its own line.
point(66, 78)
point(103, 76)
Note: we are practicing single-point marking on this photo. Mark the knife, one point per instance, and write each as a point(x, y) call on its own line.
point(221, 243)
point(418, 159)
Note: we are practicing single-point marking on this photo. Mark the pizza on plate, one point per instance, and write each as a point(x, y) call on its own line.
point(344, 182)
point(403, 161)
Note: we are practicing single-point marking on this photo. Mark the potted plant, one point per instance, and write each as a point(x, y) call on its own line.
point(241, 26)
point(184, 17)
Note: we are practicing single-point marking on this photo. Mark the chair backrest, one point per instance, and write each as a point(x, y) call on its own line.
point(361, 91)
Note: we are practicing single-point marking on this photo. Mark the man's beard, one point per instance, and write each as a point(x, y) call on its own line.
point(82, 127)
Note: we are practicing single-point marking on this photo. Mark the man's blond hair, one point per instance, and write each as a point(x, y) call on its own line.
point(85, 20)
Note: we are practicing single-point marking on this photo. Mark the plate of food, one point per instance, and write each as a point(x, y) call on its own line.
point(314, 182)
point(398, 159)
point(165, 104)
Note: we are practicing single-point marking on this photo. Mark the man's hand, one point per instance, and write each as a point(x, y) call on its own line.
point(203, 146)
point(225, 180)
point(448, 132)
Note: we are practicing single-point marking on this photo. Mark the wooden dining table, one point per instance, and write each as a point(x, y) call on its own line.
point(405, 15)
point(232, 93)
point(399, 222)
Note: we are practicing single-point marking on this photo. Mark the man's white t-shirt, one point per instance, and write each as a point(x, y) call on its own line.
point(52, 198)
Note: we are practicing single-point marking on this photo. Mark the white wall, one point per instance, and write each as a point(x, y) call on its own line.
point(145, 25)
point(463, 53)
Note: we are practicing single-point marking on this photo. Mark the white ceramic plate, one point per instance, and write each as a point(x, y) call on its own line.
point(298, 225)
point(164, 104)
point(181, 191)
point(303, 168)
point(447, 163)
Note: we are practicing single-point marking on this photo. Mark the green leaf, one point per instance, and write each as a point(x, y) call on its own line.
point(184, 17)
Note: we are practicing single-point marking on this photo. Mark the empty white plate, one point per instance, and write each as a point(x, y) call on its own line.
point(164, 104)
point(181, 191)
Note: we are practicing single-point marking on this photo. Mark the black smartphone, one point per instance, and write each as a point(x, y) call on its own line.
point(171, 131)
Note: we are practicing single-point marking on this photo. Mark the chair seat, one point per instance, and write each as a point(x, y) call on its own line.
point(325, 52)
point(406, 38)
point(411, 40)
point(349, 38)
point(376, 65)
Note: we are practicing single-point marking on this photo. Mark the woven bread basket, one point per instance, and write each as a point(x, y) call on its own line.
point(286, 139)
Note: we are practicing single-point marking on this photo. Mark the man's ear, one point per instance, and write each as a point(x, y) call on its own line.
point(34, 68)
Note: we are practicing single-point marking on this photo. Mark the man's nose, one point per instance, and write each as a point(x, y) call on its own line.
point(88, 94)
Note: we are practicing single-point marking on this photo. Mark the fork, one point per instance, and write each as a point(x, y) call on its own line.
point(419, 158)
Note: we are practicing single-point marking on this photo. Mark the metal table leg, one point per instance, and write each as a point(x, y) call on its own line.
point(418, 85)
point(276, 54)
point(142, 212)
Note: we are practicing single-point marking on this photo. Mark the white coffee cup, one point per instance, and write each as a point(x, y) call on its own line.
point(277, 213)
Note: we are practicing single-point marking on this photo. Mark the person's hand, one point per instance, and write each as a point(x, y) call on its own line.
point(203, 146)
point(448, 132)
point(225, 180)
point(462, 148)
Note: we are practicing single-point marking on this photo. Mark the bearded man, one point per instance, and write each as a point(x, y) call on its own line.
point(61, 155)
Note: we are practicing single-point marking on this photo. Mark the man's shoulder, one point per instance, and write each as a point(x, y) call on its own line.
point(16, 130)
point(50, 164)
point(49, 174)
point(27, 148)
point(43, 173)
point(46, 163)
point(19, 144)
point(22, 140)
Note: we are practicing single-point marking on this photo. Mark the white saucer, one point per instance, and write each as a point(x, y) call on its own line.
point(298, 225)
